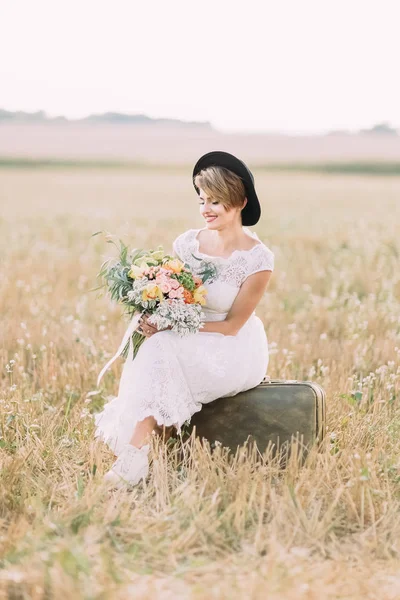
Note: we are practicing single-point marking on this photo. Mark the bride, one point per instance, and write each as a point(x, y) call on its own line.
point(171, 377)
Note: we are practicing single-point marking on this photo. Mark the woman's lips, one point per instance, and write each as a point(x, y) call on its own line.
point(210, 219)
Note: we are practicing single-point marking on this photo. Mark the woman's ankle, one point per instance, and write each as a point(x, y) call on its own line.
point(143, 432)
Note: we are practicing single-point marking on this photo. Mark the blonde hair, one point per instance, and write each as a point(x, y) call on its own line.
point(221, 184)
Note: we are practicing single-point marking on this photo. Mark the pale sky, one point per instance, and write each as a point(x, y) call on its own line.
point(294, 66)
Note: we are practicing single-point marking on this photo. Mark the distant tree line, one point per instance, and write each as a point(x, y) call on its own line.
point(378, 129)
point(381, 129)
point(126, 119)
point(109, 117)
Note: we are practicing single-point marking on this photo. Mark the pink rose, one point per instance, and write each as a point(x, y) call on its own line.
point(164, 283)
point(174, 284)
point(161, 275)
point(165, 287)
point(177, 293)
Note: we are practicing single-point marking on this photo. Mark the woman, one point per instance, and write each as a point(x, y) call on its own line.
point(171, 377)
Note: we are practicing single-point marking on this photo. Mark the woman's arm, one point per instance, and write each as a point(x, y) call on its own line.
point(249, 295)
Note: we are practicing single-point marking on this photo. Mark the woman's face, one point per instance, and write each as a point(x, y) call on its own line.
point(215, 214)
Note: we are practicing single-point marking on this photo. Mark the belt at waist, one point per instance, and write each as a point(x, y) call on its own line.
point(211, 315)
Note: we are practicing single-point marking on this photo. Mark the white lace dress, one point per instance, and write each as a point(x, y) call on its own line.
point(172, 376)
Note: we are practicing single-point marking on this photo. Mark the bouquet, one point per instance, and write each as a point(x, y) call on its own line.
point(155, 283)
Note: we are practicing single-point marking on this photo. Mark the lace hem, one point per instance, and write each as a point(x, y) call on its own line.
point(106, 427)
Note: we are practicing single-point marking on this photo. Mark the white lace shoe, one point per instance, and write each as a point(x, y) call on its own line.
point(131, 466)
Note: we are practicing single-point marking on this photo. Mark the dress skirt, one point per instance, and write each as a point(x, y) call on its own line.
point(171, 377)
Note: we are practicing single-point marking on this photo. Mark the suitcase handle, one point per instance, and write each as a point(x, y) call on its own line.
point(268, 379)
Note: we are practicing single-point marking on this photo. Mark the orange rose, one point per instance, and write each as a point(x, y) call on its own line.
point(188, 297)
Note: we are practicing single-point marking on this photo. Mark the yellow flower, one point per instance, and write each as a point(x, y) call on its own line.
point(136, 272)
point(174, 265)
point(198, 295)
point(152, 292)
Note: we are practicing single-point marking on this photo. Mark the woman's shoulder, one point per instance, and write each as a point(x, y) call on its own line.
point(263, 250)
point(182, 240)
point(261, 256)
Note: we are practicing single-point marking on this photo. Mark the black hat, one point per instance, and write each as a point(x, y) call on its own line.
point(252, 211)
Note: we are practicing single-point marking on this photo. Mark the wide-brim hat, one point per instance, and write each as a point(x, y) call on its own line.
point(252, 211)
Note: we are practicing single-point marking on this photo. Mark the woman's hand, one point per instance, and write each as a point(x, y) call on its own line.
point(148, 329)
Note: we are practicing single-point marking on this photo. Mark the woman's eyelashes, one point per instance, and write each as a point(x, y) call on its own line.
point(215, 202)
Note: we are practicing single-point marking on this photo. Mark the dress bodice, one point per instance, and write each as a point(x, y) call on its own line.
point(228, 273)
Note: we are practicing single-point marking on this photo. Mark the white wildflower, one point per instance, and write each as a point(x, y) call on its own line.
point(181, 317)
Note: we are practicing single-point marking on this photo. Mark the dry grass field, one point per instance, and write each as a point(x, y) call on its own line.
point(210, 526)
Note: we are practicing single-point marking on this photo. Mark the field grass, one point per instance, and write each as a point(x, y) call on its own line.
point(210, 526)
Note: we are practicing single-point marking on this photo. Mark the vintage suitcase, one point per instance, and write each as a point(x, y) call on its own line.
point(272, 414)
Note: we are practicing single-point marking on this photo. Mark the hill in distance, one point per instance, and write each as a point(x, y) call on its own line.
point(114, 118)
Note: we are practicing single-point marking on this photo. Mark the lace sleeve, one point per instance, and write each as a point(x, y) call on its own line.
point(179, 246)
point(262, 259)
